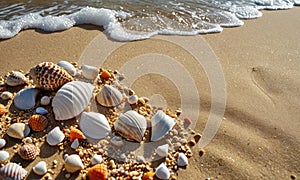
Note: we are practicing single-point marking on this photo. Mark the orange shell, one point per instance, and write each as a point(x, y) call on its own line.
point(3, 110)
point(148, 175)
point(97, 172)
point(105, 74)
point(38, 122)
point(76, 134)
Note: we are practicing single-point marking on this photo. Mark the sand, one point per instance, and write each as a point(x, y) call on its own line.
point(259, 134)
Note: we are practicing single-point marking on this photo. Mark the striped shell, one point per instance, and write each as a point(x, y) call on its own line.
point(13, 171)
point(76, 134)
point(109, 96)
point(16, 79)
point(161, 124)
point(49, 76)
point(29, 152)
point(38, 122)
point(97, 172)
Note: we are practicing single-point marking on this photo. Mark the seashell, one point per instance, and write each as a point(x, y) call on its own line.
point(76, 134)
point(41, 110)
point(148, 175)
point(161, 125)
point(97, 159)
point(45, 100)
point(3, 109)
point(2, 143)
point(182, 160)
point(49, 76)
point(75, 144)
point(18, 130)
point(94, 125)
point(97, 172)
point(72, 99)
point(29, 152)
point(89, 72)
point(131, 125)
point(55, 136)
point(73, 163)
point(6, 95)
point(133, 99)
point(68, 67)
point(109, 96)
point(16, 79)
point(162, 172)
point(14, 171)
point(117, 141)
point(4, 155)
point(105, 74)
point(40, 168)
point(162, 150)
point(38, 122)
point(27, 140)
point(25, 99)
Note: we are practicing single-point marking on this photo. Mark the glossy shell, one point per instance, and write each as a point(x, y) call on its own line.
point(182, 160)
point(4, 155)
point(131, 125)
point(18, 130)
point(72, 99)
point(76, 134)
point(40, 168)
point(16, 79)
point(68, 67)
point(97, 172)
point(29, 152)
point(2, 143)
point(6, 95)
point(161, 125)
point(105, 74)
point(162, 171)
point(162, 150)
point(14, 171)
point(89, 72)
point(26, 98)
point(38, 122)
point(49, 76)
point(73, 163)
point(41, 110)
point(96, 159)
point(109, 96)
point(55, 136)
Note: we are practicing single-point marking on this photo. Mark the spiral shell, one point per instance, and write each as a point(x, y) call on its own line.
point(76, 134)
point(14, 171)
point(49, 76)
point(109, 96)
point(38, 122)
point(16, 79)
point(97, 172)
point(29, 152)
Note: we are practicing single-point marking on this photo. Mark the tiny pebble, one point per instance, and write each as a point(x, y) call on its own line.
point(67, 176)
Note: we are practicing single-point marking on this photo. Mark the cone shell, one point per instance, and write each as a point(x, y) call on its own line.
point(13, 170)
point(97, 172)
point(131, 125)
point(3, 109)
point(76, 134)
point(161, 125)
point(73, 163)
point(16, 79)
point(18, 130)
point(109, 96)
point(38, 122)
point(49, 76)
point(55, 136)
point(29, 152)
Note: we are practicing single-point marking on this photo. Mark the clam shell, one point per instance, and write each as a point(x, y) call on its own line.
point(72, 99)
point(75, 144)
point(26, 98)
point(14, 171)
point(109, 96)
point(6, 95)
point(133, 99)
point(131, 125)
point(89, 72)
point(2, 143)
point(16, 79)
point(161, 125)
point(49, 76)
point(68, 67)
point(97, 159)
point(29, 152)
point(18, 130)
point(182, 160)
point(73, 163)
point(38, 122)
point(4, 155)
point(97, 172)
point(45, 100)
point(162, 171)
point(162, 150)
point(41, 110)
point(76, 134)
point(40, 168)
point(117, 141)
point(94, 125)
point(55, 136)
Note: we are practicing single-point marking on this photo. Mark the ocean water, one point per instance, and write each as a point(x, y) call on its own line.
point(133, 19)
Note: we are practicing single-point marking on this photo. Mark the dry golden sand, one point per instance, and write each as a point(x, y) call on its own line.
point(259, 136)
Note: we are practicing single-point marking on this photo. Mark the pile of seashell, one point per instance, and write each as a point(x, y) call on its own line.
point(55, 106)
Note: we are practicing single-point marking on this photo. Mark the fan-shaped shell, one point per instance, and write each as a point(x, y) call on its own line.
point(131, 125)
point(40, 168)
point(162, 171)
point(26, 98)
point(68, 67)
point(109, 96)
point(97, 172)
point(18, 130)
point(72, 99)
point(76, 134)
point(94, 125)
point(38, 122)
point(55, 136)
point(14, 171)
point(49, 76)
point(16, 78)
point(73, 163)
point(161, 125)
point(29, 152)
point(4, 155)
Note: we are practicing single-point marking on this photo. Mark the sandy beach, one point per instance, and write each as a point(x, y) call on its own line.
point(259, 134)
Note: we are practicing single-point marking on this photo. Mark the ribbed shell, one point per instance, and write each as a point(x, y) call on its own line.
point(76, 134)
point(16, 79)
point(49, 76)
point(29, 152)
point(38, 122)
point(109, 96)
point(97, 172)
point(131, 125)
point(13, 171)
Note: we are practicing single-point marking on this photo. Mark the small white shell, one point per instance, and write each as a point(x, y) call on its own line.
point(97, 159)
point(73, 163)
point(72, 99)
point(75, 144)
point(18, 130)
point(68, 67)
point(26, 98)
point(162, 171)
point(161, 125)
point(40, 168)
point(4, 155)
point(6, 95)
point(133, 99)
point(89, 72)
point(41, 110)
point(182, 160)
point(162, 150)
point(45, 100)
point(13, 171)
point(109, 96)
point(15, 79)
point(117, 141)
point(94, 125)
point(55, 136)
point(2, 143)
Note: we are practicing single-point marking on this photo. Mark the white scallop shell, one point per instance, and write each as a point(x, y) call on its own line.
point(73, 163)
point(97, 159)
point(89, 72)
point(72, 99)
point(131, 125)
point(182, 160)
point(94, 125)
point(26, 98)
point(18, 130)
point(55, 136)
point(41, 110)
point(15, 79)
point(6, 95)
point(117, 141)
point(133, 99)
point(14, 171)
point(68, 67)
point(4, 155)
point(162, 171)
point(40, 168)
point(75, 144)
point(162, 150)
point(45, 100)
point(161, 125)
point(2, 143)
point(109, 96)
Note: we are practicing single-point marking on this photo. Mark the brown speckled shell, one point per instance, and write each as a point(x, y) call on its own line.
point(49, 76)
point(76, 134)
point(38, 122)
point(29, 152)
point(97, 172)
